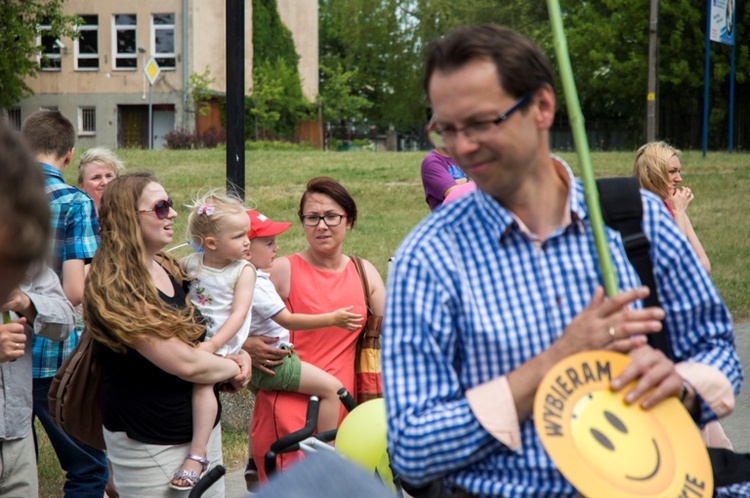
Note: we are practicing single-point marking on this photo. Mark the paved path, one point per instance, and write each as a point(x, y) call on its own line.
point(235, 484)
point(737, 425)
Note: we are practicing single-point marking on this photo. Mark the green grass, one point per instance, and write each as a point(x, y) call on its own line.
point(388, 191)
point(51, 476)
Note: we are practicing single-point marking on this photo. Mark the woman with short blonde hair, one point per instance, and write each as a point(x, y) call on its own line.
point(96, 168)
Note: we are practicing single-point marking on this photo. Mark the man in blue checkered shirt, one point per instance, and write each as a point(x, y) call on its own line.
point(75, 236)
point(489, 292)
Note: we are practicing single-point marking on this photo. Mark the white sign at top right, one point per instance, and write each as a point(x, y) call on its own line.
point(722, 21)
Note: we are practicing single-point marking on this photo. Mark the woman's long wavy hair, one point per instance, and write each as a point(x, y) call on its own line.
point(121, 302)
point(651, 169)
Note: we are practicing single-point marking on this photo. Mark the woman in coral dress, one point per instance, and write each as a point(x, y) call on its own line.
point(315, 280)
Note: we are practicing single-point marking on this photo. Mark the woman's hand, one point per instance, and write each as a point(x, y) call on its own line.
point(239, 381)
point(264, 356)
point(680, 199)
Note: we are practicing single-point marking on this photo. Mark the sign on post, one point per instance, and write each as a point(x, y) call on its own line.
point(722, 21)
point(152, 70)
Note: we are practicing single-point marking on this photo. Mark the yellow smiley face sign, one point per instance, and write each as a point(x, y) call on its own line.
point(606, 447)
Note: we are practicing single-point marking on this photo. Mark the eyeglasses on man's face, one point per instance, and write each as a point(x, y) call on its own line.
point(161, 208)
point(313, 220)
point(445, 137)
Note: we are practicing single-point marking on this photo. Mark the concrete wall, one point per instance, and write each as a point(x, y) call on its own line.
point(301, 17)
point(207, 41)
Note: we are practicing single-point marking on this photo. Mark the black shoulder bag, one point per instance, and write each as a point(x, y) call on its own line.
point(622, 208)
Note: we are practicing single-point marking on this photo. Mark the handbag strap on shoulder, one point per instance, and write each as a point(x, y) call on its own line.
point(363, 277)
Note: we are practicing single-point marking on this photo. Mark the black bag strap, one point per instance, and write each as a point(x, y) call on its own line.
point(622, 209)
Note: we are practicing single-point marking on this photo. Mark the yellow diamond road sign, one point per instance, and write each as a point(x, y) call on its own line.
point(152, 70)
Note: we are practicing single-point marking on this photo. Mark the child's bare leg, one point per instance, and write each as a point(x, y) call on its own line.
point(324, 385)
point(205, 408)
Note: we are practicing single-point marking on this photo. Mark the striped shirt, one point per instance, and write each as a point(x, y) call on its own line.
point(75, 235)
point(471, 297)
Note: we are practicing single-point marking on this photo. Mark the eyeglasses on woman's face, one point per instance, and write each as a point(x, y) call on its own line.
point(331, 220)
point(161, 208)
point(446, 137)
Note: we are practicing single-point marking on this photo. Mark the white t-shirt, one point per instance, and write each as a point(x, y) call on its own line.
point(212, 292)
point(266, 304)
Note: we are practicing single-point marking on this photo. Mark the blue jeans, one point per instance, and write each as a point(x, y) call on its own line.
point(85, 467)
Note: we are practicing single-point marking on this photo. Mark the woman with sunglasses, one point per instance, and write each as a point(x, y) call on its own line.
point(145, 333)
point(317, 279)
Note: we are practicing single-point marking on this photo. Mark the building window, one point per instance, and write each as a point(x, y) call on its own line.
point(124, 42)
point(14, 118)
point(51, 49)
point(87, 121)
point(87, 45)
point(162, 40)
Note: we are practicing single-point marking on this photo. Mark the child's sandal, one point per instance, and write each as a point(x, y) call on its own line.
point(190, 476)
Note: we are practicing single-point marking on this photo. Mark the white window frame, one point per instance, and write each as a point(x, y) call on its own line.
point(116, 56)
point(163, 55)
point(78, 56)
point(83, 121)
point(51, 56)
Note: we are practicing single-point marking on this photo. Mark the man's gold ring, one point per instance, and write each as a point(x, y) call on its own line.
point(612, 332)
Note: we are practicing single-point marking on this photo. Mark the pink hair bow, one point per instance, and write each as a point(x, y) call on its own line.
point(206, 210)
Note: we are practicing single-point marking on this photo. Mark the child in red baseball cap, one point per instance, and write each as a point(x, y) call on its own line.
point(271, 318)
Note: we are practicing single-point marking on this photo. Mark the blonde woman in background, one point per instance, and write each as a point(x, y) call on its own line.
point(96, 168)
point(658, 169)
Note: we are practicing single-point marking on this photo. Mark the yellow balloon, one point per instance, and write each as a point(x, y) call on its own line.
point(384, 471)
point(361, 436)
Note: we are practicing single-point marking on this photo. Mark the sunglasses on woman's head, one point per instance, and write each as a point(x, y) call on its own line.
point(160, 209)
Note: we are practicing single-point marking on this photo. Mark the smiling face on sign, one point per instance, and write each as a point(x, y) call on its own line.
point(606, 447)
point(624, 443)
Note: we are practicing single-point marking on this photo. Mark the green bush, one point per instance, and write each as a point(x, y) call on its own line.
point(277, 145)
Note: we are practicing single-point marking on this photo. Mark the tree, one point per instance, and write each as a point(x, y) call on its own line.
point(337, 96)
point(608, 44)
point(199, 91)
point(383, 41)
point(18, 42)
point(276, 106)
point(276, 101)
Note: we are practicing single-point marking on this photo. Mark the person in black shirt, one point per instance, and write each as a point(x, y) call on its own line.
point(136, 310)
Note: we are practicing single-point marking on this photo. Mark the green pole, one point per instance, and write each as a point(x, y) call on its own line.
point(582, 148)
point(6, 317)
